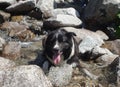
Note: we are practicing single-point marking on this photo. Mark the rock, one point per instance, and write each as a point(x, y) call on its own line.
point(88, 43)
point(66, 11)
point(25, 36)
point(79, 5)
point(45, 7)
point(118, 72)
point(6, 63)
point(107, 59)
point(6, 3)
point(18, 31)
point(17, 18)
point(21, 6)
point(113, 46)
point(36, 14)
point(101, 11)
point(11, 50)
point(2, 42)
point(34, 25)
point(24, 76)
point(60, 76)
point(12, 25)
point(82, 33)
point(4, 16)
point(61, 20)
point(101, 51)
point(102, 35)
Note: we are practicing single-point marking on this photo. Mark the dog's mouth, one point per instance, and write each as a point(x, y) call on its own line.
point(57, 58)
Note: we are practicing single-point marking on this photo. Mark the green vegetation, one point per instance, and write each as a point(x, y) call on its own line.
point(118, 26)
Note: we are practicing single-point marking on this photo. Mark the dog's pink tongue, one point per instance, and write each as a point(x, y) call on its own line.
point(56, 59)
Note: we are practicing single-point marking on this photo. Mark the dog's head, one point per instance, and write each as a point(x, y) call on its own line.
point(58, 46)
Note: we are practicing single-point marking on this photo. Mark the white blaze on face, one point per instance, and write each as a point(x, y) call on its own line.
point(56, 46)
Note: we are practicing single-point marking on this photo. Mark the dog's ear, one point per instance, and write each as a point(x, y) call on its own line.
point(70, 34)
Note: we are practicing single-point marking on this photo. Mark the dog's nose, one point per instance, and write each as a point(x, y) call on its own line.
point(56, 50)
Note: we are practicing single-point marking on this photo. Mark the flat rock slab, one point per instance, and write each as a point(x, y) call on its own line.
point(61, 20)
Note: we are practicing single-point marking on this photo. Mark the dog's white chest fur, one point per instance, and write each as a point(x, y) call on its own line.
point(72, 49)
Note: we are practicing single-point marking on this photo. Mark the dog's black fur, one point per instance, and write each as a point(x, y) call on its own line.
point(65, 44)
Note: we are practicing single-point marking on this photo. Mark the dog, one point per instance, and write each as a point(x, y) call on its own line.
point(61, 46)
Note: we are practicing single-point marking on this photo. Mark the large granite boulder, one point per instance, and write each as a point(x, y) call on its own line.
point(101, 11)
point(24, 76)
point(62, 20)
point(45, 7)
point(21, 6)
point(66, 11)
point(6, 3)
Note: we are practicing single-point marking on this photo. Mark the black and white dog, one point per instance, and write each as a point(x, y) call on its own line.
point(61, 46)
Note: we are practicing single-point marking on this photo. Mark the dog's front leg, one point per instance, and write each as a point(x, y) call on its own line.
point(45, 67)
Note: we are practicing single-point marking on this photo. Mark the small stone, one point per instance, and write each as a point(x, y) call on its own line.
point(4, 16)
point(60, 76)
point(11, 50)
point(17, 18)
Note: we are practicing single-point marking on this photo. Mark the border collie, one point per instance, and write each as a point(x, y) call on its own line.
point(60, 46)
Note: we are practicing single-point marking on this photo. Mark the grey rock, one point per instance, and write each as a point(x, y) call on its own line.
point(66, 11)
point(2, 42)
point(113, 46)
point(4, 16)
point(6, 3)
point(101, 11)
point(35, 14)
point(101, 51)
point(107, 59)
point(19, 31)
point(24, 76)
point(12, 50)
point(88, 43)
point(61, 20)
point(45, 7)
point(21, 6)
point(60, 76)
point(102, 35)
point(118, 72)
point(6, 63)
point(82, 33)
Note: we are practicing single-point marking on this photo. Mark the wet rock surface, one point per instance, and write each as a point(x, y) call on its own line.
point(27, 22)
